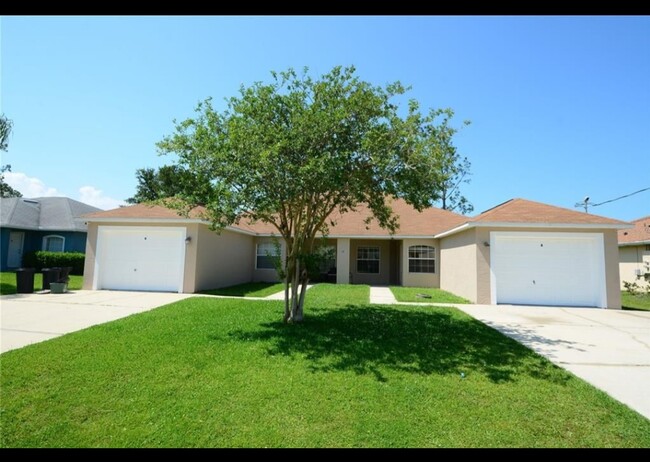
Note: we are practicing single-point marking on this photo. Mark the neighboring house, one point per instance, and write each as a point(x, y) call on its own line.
point(520, 252)
point(634, 250)
point(43, 223)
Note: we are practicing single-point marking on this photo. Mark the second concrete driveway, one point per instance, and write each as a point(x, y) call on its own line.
point(33, 318)
point(608, 348)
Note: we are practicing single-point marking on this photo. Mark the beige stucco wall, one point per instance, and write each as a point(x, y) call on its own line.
point(631, 259)
point(223, 260)
point(419, 279)
point(190, 251)
point(458, 259)
point(266, 275)
point(343, 260)
point(384, 262)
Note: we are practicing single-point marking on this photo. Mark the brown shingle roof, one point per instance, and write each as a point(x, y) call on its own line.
point(525, 211)
point(412, 223)
point(144, 211)
point(640, 233)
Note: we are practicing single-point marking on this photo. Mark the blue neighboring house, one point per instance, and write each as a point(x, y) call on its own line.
point(43, 223)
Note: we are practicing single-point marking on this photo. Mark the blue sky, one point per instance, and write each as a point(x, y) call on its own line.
point(560, 106)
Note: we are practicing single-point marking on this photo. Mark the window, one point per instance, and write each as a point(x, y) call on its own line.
point(54, 243)
point(368, 260)
point(266, 255)
point(422, 259)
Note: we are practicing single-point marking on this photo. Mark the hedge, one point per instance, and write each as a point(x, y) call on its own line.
point(43, 259)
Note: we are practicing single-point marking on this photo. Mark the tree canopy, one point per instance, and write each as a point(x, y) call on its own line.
point(167, 181)
point(6, 126)
point(292, 151)
point(444, 160)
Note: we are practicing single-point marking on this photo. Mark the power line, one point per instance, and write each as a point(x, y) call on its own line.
point(622, 197)
point(586, 204)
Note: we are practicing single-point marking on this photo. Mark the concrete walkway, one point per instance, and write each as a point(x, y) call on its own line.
point(610, 349)
point(280, 295)
point(382, 296)
point(33, 318)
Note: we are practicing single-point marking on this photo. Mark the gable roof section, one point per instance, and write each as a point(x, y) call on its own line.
point(638, 235)
point(44, 214)
point(144, 212)
point(351, 224)
point(521, 213)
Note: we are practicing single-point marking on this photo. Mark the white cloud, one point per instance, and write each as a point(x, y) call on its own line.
point(95, 197)
point(33, 187)
point(29, 186)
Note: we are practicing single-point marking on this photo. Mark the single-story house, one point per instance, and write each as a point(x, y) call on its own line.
point(519, 252)
point(42, 223)
point(634, 250)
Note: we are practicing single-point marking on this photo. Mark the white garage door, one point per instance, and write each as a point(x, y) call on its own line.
point(536, 268)
point(140, 258)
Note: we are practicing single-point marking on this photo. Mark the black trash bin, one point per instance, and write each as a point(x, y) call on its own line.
point(50, 275)
point(25, 280)
point(64, 273)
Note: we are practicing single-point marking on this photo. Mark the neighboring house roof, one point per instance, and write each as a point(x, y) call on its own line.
point(412, 223)
point(518, 213)
point(638, 235)
point(44, 214)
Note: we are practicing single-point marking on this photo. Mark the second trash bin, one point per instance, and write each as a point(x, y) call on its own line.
point(50, 275)
point(25, 280)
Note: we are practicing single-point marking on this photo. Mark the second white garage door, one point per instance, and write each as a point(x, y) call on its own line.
point(547, 268)
point(140, 258)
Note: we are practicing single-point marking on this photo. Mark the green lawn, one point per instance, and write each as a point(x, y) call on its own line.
point(226, 372)
point(409, 294)
point(250, 289)
point(8, 282)
point(635, 302)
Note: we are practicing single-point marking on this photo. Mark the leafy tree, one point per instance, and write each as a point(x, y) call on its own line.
point(5, 130)
point(291, 152)
point(444, 161)
point(167, 181)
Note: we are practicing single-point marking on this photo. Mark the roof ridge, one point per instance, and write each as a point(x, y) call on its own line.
point(493, 208)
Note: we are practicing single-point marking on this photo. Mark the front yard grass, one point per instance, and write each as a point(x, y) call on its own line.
point(8, 282)
point(228, 372)
point(410, 294)
point(635, 302)
point(249, 289)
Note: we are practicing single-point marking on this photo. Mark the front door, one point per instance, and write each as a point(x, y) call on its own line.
point(15, 251)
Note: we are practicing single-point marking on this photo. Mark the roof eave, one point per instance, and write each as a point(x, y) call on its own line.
point(633, 243)
point(497, 224)
point(163, 220)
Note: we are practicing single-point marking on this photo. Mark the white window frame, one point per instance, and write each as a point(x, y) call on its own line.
point(378, 259)
point(270, 254)
point(44, 243)
point(419, 258)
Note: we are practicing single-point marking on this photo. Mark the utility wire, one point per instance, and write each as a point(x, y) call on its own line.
point(618, 198)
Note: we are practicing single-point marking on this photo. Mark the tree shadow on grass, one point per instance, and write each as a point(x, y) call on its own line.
point(369, 339)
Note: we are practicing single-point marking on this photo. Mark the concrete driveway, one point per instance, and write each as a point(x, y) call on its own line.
point(33, 318)
point(608, 348)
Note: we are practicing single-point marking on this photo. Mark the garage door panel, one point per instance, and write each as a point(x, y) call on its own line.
point(548, 268)
point(141, 258)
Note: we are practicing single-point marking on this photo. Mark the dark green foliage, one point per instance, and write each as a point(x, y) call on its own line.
point(167, 181)
point(44, 259)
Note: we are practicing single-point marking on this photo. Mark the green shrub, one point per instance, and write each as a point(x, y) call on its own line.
point(43, 259)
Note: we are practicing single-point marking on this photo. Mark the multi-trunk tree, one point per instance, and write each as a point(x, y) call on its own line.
point(293, 151)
